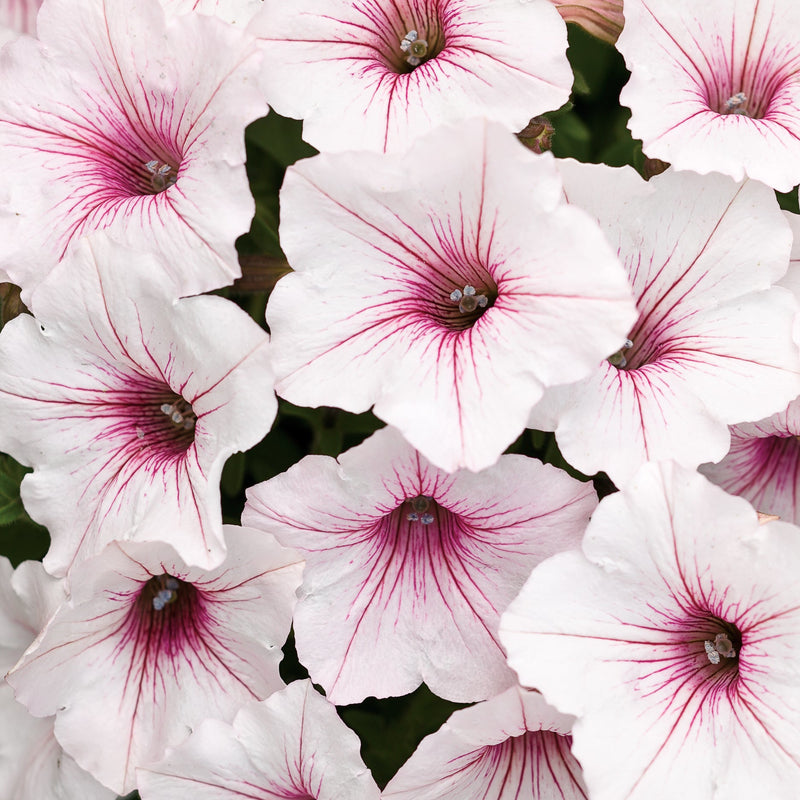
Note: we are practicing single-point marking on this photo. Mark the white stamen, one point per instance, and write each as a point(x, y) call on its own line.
point(162, 598)
point(407, 40)
point(618, 359)
point(162, 175)
point(416, 48)
point(468, 300)
point(426, 519)
point(721, 646)
point(711, 652)
point(736, 104)
point(180, 414)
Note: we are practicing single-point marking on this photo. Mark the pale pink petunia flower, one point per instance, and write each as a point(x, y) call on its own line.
point(121, 118)
point(703, 254)
point(409, 568)
point(715, 85)
point(511, 747)
point(447, 288)
point(291, 746)
point(32, 764)
point(147, 647)
point(763, 464)
point(601, 18)
point(673, 637)
point(128, 405)
point(373, 75)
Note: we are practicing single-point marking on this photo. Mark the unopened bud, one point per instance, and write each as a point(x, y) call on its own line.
point(537, 135)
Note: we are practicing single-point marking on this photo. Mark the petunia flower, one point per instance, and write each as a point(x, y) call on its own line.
point(763, 464)
point(764, 457)
point(147, 647)
point(128, 405)
point(447, 288)
point(715, 86)
point(374, 75)
point(673, 637)
point(408, 568)
point(703, 255)
point(510, 747)
point(32, 764)
point(291, 745)
point(124, 120)
point(601, 18)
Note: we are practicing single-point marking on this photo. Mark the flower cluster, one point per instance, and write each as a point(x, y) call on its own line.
point(496, 325)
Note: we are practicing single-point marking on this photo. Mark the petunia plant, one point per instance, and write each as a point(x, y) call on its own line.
point(352, 206)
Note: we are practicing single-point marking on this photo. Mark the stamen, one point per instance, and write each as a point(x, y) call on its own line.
point(167, 595)
point(468, 300)
point(736, 104)
point(162, 176)
point(618, 359)
point(416, 48)
point(721, 646)
point(711, 652)
point(420, 505)
point(180, 414)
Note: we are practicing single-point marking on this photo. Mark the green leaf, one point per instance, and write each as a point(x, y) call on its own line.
point(788, 201)
point(232, 479)
point(579, 85)
point(390, 729)
point(11, 475)
point(280, 137)
point(24, 540)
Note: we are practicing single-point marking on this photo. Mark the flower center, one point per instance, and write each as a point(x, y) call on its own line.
point(167, 593)
point(736, 104)
point(469, 300)
point(164, 423)
point(420, 509)
point(618, 359)
point(162, 175)
point(721, 646)
point(415, 48)
point(180, 414)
